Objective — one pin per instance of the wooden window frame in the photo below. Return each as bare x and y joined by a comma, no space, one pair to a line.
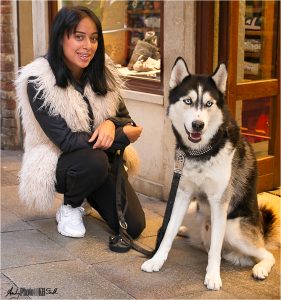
135,84
204,37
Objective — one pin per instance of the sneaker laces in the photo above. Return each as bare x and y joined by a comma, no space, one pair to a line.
70,211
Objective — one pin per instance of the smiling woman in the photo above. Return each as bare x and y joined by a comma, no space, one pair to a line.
76,41
80,47
75,121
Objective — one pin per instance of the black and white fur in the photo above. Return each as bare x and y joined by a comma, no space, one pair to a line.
220,173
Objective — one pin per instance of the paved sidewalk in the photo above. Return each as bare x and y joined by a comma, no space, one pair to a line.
34,255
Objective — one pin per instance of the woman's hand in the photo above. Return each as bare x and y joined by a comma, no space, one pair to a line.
132,132
105,134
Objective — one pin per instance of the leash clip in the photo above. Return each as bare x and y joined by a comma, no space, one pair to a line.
179,161
123,224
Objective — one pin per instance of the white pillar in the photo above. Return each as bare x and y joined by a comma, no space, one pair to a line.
40,27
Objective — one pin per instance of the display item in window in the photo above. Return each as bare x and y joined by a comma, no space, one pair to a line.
251,68
252,45
136,5
152,22
146,48
147,65
253,23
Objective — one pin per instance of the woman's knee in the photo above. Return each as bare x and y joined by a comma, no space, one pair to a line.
94,161
87,166
136,228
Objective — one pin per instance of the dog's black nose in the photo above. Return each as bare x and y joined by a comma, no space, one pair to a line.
197,125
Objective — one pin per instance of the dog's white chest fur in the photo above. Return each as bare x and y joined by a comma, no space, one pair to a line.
208,176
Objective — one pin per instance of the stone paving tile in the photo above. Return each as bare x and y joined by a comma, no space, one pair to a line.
272,196
20,248
10,222
239,282
207,295
153,223
276,192
10,200
8,287
92,248
10,166
182,254
73,280
168,283
152,204
8,178
188,254
11,160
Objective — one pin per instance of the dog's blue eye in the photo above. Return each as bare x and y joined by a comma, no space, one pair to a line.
187,101
209,103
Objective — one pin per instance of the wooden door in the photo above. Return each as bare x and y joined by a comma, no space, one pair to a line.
245,35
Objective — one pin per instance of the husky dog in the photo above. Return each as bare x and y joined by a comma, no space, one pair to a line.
220,173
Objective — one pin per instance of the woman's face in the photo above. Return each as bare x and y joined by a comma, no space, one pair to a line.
80,47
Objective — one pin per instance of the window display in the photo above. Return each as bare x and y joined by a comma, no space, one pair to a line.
259,39
255,122
132,34
256,60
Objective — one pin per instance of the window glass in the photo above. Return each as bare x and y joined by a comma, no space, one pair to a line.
254,118
131,33
257,40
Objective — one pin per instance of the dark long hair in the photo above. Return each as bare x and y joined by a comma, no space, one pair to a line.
66,21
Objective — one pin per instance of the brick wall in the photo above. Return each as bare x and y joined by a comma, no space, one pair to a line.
9,127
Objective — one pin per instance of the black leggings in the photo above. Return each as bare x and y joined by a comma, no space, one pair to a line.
85,174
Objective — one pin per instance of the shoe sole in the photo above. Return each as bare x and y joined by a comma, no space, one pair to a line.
68,234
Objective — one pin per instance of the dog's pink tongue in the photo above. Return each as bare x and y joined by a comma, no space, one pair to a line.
196,135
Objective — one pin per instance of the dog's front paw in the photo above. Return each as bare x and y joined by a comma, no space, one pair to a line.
153,265
213,281
262,269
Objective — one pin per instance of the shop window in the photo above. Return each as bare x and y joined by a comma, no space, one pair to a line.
257,47
254,118
133,39
256,61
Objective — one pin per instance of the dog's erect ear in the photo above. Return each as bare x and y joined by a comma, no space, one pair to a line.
179,72
220,77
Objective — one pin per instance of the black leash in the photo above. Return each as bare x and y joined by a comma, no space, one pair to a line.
179,163
123,242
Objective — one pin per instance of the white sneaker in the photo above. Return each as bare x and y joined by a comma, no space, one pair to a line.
70,221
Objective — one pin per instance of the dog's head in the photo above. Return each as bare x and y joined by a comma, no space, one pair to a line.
196,103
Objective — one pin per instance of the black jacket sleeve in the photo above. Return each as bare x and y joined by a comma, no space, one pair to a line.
57,130
122,117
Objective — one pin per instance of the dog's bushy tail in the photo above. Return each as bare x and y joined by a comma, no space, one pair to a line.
270,211
132,161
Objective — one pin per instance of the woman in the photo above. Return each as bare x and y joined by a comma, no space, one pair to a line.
74,120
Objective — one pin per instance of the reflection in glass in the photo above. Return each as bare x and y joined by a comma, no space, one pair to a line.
254,118
257,40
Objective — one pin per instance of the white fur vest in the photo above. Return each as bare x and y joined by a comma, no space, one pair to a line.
37,175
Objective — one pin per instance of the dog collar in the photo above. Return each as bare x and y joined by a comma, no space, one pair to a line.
193,152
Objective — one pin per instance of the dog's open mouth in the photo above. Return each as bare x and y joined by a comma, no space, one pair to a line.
194,137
